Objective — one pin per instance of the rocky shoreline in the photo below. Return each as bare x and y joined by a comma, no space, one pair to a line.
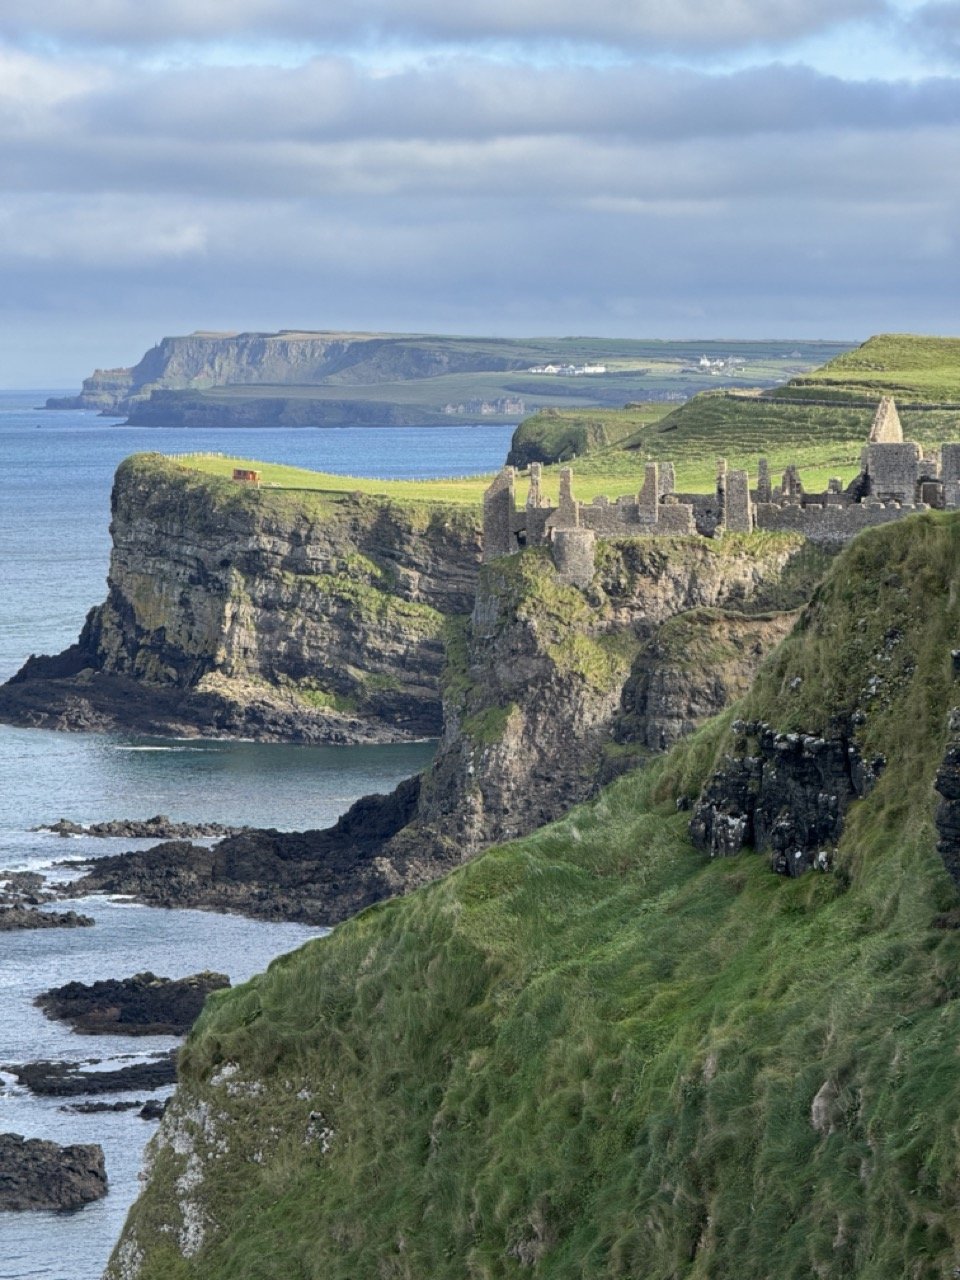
22,894
312,877
46,694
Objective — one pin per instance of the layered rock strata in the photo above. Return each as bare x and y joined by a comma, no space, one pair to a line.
783,793
270,615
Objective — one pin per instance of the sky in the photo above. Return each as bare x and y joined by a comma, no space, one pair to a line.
634,168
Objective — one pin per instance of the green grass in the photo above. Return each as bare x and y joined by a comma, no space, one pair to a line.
592,1053
906,365
555,436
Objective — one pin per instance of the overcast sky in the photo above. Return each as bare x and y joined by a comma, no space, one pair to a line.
645,168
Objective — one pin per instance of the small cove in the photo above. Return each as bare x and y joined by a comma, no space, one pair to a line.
54,545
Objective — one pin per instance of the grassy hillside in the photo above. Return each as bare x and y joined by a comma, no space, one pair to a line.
555,436
824,437
906,365
592,1053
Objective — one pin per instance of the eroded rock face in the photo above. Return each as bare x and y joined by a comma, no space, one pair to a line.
270,615
556,689
41,1175
948,810
691,669
782,793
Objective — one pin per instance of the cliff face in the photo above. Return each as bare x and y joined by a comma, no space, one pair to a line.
850,688
550,690
596,1051
201,360
259,613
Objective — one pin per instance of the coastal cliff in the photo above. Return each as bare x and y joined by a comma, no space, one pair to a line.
198,360
550,690
231,611
597,1050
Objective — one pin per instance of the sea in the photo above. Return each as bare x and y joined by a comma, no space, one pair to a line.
56,470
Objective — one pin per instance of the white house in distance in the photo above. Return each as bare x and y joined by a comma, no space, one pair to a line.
568,370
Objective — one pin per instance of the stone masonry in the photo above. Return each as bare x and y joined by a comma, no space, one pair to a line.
896,479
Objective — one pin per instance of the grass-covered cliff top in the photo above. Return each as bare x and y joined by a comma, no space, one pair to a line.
593,1053
462,490
907,365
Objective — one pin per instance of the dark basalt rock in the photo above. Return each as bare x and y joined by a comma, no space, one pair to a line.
153,1109
947,785
98,1108
20,917
41,1175
143,1005
67,1080
318,877
786,793
159,827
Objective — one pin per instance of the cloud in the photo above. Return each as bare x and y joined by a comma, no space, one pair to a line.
332,130
462,192
936,26
680,24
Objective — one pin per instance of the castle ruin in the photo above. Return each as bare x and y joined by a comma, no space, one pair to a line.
896,479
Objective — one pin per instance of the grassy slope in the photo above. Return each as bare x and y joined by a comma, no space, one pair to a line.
906,365
554,436
824,439
595,1052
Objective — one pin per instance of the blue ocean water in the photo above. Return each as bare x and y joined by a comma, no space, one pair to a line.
54,545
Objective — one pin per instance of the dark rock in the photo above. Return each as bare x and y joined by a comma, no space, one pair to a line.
96,1108
153,1109
318,877
143,1005
947,785
67,1080
21,882
159,827
786,793
41,1175
30,918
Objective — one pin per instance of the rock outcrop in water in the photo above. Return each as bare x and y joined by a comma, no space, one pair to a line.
143,1005
42,1175
69,1080
159,827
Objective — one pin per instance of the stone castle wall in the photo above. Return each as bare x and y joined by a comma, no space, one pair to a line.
896,479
